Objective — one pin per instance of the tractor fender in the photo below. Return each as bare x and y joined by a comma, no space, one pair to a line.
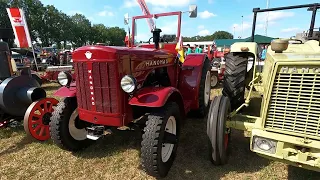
239,47
190,77
157,97
66,91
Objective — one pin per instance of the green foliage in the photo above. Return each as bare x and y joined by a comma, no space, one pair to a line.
215,35
51,26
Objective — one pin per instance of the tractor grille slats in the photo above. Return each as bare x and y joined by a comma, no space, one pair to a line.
104,84
294,106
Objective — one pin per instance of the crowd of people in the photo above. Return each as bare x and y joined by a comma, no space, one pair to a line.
197,49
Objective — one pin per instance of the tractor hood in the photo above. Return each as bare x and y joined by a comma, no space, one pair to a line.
98,53
309,51
132,59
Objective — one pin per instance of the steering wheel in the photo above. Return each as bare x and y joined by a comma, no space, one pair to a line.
150,40
161,40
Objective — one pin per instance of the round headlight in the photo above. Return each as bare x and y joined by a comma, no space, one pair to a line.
128,84
64,78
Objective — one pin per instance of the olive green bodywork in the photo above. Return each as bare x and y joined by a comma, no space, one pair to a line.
290,109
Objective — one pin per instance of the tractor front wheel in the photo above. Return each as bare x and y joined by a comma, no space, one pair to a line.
66,129
160,140
217,131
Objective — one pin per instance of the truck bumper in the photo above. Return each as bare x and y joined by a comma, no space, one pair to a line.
291,150
97,118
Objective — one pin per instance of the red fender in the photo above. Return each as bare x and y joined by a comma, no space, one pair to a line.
190,76
154,96
66,92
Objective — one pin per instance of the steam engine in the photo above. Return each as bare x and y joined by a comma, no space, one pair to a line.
16,92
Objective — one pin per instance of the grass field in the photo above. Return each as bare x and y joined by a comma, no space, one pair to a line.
117,157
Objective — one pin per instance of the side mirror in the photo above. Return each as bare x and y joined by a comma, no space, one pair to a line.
126,19
193,11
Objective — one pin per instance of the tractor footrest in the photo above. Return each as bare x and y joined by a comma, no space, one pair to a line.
95,132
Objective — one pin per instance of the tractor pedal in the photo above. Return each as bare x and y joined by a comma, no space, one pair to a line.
95,132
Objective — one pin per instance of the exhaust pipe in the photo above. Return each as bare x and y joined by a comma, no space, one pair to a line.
29,95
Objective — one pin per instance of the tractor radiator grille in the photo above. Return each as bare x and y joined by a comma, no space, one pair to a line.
294,106
105,86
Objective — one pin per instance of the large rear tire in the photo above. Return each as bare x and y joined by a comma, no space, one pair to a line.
66,129
234,79
204,89
160,140
217,131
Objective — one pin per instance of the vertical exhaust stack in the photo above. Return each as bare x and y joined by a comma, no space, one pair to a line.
156,37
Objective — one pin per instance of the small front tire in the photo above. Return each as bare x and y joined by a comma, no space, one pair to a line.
217,131
160,140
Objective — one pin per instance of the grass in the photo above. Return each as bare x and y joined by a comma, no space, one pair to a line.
117,157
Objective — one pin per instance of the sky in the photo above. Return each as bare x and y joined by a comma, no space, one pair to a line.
234,16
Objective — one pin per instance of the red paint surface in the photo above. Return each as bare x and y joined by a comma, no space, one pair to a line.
66,92
20,30
152,96
106,119
190,77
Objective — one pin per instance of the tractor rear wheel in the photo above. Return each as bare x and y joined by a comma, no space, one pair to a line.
217,131
160,140
204,89
66,129
234,79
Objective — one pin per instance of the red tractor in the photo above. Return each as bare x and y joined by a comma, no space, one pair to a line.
145,86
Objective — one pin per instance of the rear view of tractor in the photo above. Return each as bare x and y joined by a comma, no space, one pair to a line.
287,127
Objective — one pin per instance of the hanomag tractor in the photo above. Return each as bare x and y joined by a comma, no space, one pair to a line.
123,86
288,127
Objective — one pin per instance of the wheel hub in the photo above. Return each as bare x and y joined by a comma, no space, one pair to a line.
167,148
46,118
207,89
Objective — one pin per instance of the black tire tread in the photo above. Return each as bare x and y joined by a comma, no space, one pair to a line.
150,138
64,109
234,79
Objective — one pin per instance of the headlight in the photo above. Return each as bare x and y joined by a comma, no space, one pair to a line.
64,78
128,83
264,145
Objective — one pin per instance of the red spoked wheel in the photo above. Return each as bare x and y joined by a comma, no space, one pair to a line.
37,118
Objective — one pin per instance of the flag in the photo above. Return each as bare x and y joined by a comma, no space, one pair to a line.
179,48
20,27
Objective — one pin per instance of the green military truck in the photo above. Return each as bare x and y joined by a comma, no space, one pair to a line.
287,128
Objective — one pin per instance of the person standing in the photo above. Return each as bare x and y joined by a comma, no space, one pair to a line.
263,53
189,50
196,49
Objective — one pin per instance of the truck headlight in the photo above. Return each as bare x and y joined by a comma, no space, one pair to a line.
64,78
128,83
264,145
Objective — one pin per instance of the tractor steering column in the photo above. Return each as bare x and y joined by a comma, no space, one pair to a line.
156,37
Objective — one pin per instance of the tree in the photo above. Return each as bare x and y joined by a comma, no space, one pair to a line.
222,35
215,35
4,18
116,36
81,29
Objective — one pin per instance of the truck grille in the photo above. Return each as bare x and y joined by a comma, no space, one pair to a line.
104,84
294,106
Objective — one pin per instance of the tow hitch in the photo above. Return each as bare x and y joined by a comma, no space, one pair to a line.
95,132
